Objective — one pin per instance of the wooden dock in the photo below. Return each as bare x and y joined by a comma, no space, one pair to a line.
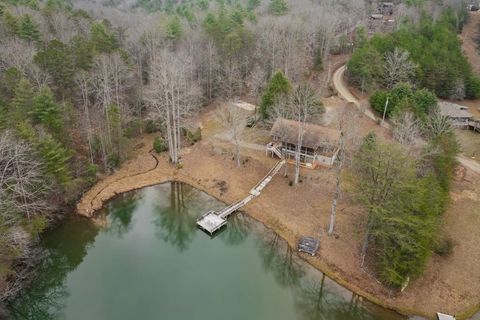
213,221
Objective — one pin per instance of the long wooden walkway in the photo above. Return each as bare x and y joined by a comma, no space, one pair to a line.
213,221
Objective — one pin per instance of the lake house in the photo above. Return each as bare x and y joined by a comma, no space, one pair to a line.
319,144
458,115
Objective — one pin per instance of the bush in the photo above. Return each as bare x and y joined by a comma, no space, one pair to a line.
378,100
92,170
195,136
113,160
151,126
159,145
133,130
401,97
444,247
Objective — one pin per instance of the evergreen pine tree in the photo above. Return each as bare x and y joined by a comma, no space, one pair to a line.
252,4
11,21
82,53
174,29
57,60
27,29
279,85
22,101
45,110
103,40
8,83
278,7
55,158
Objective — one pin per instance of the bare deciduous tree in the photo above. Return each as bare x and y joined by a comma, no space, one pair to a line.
83,82
305,105
234,120
22,184
347,145
437,124
398,67
172,94
111,82
18,54
406,129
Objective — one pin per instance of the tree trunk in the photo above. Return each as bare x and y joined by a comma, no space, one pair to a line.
298,150
366,241
237,146
340,160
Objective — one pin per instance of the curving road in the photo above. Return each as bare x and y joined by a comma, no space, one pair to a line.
345,93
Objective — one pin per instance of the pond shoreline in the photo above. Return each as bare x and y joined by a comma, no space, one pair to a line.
153,169
176,177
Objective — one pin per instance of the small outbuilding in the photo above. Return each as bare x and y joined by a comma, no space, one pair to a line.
319,145
309,245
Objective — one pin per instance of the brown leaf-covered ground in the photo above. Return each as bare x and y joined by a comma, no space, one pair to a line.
450,285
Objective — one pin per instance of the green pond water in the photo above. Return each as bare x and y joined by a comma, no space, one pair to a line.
150,261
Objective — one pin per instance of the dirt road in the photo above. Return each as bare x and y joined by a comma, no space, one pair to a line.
345,93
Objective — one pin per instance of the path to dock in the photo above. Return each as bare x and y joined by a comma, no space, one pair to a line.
213,221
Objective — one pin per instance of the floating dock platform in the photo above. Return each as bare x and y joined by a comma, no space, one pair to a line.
211,222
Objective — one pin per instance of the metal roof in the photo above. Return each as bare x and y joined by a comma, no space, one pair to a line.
314,136
453,110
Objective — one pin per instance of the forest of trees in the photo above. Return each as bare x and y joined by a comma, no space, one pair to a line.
404,186
405,195
427,54
80,79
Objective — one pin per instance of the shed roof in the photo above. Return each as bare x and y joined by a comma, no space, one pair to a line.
453,110
376,16
314,137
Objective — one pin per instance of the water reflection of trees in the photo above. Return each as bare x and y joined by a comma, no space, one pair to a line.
65,249
176,223
121,213
279,258
236,230
315,302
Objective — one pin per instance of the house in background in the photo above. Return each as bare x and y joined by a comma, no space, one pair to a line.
386,8
319,144
458,115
